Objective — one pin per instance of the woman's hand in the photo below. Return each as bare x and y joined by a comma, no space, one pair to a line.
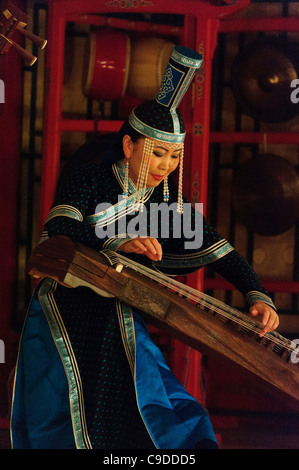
270,319
147,246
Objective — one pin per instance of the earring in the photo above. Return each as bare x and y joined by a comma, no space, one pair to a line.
165,190
180,203
148,147
126,180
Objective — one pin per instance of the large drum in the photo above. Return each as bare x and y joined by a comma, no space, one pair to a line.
149,58
108,56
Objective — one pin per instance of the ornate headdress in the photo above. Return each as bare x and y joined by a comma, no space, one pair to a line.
159,119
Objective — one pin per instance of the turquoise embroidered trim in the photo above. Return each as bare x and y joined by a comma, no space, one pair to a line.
118,210
109,215
64,210
126,323
44,236
201,258
256,296
61,339
114,243
218,245
175,121
182,91
156,134
183,59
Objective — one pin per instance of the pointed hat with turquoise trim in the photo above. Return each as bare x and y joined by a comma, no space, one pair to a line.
160,118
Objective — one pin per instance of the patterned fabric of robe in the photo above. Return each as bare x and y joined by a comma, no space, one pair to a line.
88,373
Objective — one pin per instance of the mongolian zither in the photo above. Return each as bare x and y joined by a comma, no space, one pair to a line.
199,320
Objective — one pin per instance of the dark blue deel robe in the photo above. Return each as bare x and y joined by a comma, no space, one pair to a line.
88,373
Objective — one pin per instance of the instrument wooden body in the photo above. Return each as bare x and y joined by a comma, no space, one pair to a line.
73,265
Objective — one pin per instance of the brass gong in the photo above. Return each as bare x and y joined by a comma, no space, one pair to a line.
261,79
266,194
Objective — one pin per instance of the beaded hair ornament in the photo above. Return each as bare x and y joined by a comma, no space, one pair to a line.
159,120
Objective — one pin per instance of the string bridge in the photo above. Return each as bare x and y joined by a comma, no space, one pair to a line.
119,267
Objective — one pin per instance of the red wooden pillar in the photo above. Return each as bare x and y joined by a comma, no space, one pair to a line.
53,107
205,43
11,64
202,36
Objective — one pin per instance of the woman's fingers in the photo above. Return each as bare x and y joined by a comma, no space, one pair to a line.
270,318
148,246
152,245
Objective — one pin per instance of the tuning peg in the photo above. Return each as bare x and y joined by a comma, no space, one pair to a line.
36,39
30,59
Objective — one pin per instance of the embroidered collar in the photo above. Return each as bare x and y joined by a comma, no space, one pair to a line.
119,172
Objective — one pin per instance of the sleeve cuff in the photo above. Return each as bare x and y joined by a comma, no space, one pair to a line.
114,243
256,296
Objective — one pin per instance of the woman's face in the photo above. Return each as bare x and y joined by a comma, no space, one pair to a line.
164,160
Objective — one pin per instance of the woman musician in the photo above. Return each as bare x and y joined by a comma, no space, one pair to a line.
88,374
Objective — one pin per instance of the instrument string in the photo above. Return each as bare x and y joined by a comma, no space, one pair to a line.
215,305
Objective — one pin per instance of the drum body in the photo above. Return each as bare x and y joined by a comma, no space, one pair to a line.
108,54
149,58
